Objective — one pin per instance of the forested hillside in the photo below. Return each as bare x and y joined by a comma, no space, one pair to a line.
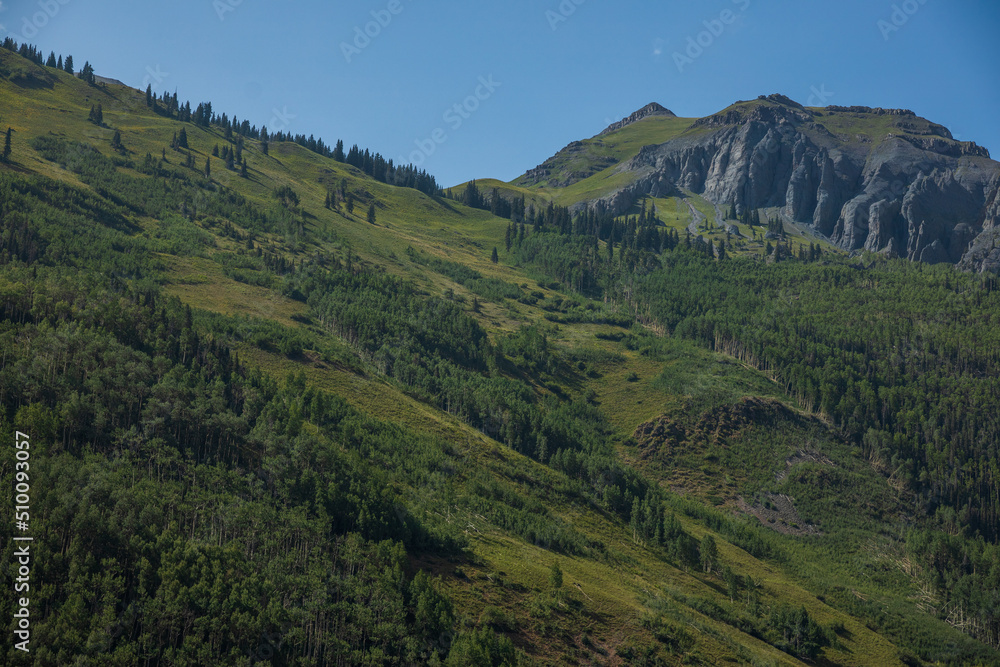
294,404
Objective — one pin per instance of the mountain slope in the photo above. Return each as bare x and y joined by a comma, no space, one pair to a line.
874,179
261,423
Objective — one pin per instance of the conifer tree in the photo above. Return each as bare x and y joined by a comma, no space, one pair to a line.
69,65
208,168
555,576
371,213
495,257
51,62
7,146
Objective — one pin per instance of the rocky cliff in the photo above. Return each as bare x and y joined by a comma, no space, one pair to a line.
652,109
884,180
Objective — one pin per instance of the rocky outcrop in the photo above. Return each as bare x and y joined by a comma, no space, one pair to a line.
914,192
652,109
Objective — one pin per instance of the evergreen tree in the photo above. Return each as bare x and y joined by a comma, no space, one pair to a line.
116,141
182,139
555,576
371,213
208,168
51,62
69,65
96,115
59,63
243,168
338,152
149,95
87,73
350,203
495,257
709,553
721,250
6,146
215,151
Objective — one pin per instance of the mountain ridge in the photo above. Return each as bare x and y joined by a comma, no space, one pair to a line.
867,178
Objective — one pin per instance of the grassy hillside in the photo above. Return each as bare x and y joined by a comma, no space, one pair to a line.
261,425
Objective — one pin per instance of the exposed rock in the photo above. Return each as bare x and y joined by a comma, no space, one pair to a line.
652,109
777,512
914,193
983,255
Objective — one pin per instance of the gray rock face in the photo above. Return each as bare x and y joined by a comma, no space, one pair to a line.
912,192
652,109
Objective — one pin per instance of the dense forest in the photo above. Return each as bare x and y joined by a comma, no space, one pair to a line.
903,358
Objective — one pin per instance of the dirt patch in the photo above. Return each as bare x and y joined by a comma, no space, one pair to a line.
664,436
803,456
777,512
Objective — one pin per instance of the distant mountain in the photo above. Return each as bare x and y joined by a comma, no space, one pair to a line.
652,109
884,180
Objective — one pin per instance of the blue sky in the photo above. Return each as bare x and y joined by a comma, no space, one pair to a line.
528,76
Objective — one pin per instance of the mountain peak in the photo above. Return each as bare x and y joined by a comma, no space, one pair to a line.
651,109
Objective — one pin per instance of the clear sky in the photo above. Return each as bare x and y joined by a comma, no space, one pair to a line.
546,72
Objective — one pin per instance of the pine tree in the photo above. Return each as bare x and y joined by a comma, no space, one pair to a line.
182,139
495,257
555,576
371,213
208,168
709,553
350,203
243,168
59,63
6,146
149,95
215,151
721,250
51,62
69,65
116,141
326,202
87,73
